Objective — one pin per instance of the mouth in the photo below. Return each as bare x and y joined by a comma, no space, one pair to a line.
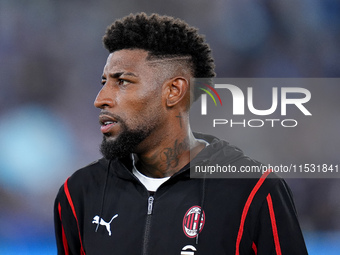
106,123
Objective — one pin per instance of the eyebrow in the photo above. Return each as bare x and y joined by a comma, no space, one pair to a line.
119,74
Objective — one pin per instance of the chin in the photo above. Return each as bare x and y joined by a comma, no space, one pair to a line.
109,137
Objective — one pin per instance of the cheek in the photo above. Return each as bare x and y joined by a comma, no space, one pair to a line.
142,105
151,99
147,111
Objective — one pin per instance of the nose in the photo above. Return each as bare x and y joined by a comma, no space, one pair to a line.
103,98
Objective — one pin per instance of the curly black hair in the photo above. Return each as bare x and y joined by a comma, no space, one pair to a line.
162,37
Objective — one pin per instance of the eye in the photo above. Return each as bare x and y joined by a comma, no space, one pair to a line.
103,81
122,82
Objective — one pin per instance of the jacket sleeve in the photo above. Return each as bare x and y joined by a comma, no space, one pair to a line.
66,226
278,227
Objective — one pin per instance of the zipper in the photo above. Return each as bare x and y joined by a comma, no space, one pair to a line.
150,204
151,200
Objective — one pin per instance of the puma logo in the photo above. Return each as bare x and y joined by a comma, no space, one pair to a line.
104,223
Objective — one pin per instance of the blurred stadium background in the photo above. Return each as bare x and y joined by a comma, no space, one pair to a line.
51,60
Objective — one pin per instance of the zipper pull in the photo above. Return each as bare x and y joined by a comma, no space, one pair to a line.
150,204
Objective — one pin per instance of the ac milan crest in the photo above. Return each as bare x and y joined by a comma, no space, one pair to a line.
191,219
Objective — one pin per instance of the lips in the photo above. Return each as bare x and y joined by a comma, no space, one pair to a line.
107,123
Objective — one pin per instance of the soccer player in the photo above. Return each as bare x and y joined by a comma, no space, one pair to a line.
139,198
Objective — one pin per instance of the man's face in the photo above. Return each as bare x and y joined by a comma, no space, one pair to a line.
130,103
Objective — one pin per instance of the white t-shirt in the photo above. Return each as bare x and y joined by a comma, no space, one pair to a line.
151,184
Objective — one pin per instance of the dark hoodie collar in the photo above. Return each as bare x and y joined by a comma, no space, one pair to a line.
218,151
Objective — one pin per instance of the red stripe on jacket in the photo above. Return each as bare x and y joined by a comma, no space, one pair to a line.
63,232
254,248
273,221
67,192
246,208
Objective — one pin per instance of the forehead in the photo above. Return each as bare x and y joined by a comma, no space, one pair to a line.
132,60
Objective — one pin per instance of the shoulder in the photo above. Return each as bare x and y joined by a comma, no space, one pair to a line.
254,190
91,172
269,187
85,178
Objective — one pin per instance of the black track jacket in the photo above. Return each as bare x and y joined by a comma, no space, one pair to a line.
104,209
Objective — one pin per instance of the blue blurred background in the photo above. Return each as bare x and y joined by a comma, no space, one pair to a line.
51,60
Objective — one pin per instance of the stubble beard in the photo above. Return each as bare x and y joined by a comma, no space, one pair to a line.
125,143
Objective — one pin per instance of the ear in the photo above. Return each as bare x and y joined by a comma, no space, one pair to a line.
177,89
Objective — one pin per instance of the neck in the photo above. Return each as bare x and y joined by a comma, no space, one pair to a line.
170,155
